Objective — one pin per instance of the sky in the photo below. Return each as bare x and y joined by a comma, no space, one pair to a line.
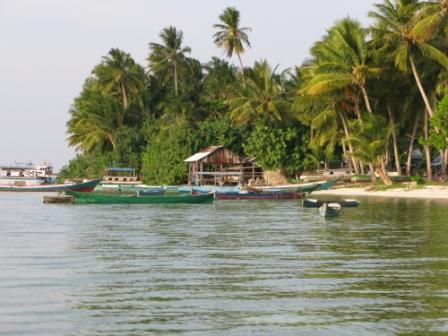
49,47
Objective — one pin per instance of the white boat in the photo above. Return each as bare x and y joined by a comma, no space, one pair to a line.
26,174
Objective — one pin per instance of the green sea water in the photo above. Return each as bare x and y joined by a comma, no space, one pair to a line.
230,268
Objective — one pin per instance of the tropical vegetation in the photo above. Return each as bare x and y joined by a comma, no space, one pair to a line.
370,97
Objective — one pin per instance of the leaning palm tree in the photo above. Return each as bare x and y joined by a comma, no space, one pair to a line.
396,29
231,37
166,59
119,75
262,96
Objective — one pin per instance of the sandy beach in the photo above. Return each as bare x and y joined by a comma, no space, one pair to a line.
429,192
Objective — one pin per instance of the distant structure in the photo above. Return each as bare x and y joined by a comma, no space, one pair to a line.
217,165
115,175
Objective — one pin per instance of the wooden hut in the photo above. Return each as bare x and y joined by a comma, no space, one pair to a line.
217,165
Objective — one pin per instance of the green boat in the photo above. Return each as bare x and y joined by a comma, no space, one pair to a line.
101,198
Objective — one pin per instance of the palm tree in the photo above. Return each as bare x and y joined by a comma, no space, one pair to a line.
397,30
119,75
342,59
230,36
370,143
263,96
95,122
166,59
431,18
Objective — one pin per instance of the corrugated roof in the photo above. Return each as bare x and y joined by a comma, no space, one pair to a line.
202,154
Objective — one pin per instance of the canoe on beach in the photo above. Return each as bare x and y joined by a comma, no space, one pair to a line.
101,198
82,187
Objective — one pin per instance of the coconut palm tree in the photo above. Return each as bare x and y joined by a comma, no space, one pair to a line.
119,75
432,16
230,36
396,29
166,59
95,122
370,143
342,59
263,96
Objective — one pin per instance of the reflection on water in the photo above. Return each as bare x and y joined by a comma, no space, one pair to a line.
231,268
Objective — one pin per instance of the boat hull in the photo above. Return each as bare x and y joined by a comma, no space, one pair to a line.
82,187
92,198
330,210
314,203
259,196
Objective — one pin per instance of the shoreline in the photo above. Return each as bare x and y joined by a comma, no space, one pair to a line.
429,192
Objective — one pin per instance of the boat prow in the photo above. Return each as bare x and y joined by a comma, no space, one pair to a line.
86,186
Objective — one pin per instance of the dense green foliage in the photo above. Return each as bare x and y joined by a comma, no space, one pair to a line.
279,148
361,97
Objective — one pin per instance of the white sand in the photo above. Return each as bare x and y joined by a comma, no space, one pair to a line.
430,192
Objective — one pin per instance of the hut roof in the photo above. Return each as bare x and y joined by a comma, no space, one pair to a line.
203,153
216,155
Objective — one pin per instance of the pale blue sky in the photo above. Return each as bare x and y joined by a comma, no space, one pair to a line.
48,48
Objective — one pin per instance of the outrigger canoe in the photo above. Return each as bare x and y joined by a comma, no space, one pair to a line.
96,198
83,187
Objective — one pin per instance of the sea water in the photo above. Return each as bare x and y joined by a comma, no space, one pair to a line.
229,268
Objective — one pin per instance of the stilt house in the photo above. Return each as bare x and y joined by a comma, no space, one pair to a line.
217,165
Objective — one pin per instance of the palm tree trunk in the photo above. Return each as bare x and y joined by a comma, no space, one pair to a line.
366,98
242,67
394,140
443,164
349,162
420,87
123,94
411,145
175,79
383,173
347,134
358,115
426,147
372,173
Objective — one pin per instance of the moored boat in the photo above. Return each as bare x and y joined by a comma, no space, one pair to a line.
314,203
330,209
208,189
303,187
97,198
83,187
258,195
327,184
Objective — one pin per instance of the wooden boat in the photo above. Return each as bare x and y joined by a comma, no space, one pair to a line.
330,209
314,203
303,187
100,198
328,184
208,189
258,195
83,187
